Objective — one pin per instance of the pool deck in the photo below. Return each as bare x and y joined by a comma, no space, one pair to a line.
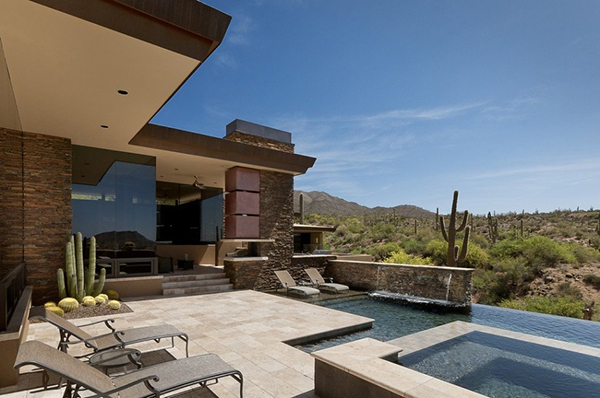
247,329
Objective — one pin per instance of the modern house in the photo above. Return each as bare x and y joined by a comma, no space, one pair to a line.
79,82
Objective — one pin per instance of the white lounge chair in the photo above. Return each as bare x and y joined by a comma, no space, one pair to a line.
290,285
318,281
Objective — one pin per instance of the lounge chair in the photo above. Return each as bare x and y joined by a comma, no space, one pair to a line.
318,281
112,339
290,285
152,381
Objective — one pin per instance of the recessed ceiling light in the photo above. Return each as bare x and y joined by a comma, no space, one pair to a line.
104,126
161,176
86,163
176,169
122,92
82,175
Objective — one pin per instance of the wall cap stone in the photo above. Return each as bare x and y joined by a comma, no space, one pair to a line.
458,269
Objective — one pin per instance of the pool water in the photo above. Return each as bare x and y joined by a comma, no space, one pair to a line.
395,319
499,366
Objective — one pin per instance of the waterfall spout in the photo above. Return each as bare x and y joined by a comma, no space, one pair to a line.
448,286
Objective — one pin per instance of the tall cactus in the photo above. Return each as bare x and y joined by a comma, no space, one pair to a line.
70,269
91,271
453,257
80,271
492,227
62,290
79,282
301,205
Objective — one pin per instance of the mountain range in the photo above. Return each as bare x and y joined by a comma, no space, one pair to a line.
316,202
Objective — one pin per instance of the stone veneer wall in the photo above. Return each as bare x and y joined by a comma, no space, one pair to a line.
277,223
48,213
415,280
260,142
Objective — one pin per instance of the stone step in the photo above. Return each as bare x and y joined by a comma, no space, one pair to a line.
195,283
198,290
192,277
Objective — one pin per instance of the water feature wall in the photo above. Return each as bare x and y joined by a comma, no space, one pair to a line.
445,284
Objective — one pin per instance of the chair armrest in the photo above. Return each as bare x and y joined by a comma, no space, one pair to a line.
87,341
144,380
107,322
328,279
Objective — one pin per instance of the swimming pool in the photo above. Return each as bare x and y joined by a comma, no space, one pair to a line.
499,366
395,319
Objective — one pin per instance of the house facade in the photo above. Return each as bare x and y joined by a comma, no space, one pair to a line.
79,83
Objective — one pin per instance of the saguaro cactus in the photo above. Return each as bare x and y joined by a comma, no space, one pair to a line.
453,257
301,205
492,227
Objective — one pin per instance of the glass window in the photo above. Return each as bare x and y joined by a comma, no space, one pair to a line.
114,199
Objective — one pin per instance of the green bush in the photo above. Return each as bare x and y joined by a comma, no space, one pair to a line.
593,280
538,251
563,306
401,257
476,257
584,255
437,251
381,252
542,251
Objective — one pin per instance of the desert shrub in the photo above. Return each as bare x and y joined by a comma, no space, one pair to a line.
476,257
508,248
383,231
437,250
355,225
544,252
593,280
563,306
381,252
538,251
341,231
584,255
401,257
413,246
566,290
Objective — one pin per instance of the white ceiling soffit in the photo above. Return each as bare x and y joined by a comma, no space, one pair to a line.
66,74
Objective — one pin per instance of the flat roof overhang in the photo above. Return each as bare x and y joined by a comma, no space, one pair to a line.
303,228
66,60
182,154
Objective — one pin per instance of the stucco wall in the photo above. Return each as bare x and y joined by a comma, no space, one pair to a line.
48,215
415,280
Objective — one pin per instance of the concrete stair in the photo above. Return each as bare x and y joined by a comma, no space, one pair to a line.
192,284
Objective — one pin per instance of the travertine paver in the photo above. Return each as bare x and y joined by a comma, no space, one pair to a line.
245,328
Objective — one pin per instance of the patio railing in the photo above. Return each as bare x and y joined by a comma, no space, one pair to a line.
11,288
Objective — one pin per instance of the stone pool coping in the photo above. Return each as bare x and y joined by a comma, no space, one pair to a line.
363,367
439,334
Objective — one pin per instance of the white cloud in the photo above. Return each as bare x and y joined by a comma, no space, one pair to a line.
358,147
239,31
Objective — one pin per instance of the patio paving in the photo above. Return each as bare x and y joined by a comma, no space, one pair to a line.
247,329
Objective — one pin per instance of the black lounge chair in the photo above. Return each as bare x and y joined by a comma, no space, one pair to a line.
112,339
152,381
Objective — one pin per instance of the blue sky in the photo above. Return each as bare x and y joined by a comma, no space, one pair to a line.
405,101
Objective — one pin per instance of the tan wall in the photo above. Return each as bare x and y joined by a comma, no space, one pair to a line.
135,287
10,340
200,254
